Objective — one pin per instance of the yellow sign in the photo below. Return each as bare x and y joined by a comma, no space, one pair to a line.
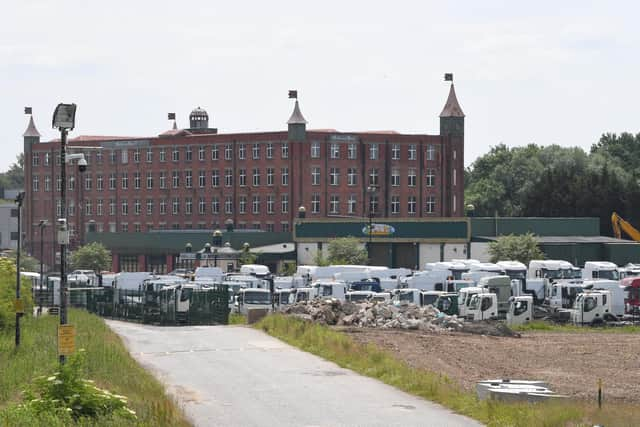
66,340
19,305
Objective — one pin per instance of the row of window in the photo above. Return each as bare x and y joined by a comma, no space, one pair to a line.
138,228
255,150
215,179
352,203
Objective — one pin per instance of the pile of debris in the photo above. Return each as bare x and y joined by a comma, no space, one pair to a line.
374,315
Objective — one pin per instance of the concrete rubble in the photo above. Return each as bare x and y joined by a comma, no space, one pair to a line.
382,315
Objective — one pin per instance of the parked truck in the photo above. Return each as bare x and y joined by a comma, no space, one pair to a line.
632,298
464,298
591,308
520,310
482,307
501,286
600,270
251,298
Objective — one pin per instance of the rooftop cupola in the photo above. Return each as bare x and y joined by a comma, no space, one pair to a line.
297,124
452,117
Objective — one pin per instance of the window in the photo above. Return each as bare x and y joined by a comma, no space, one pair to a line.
188,154
59,184
334,204
351,204
315,150
256,177
411,177
454,154
136,155
228,151
334,176
242,206
315,203
163,180
125,156
113,156
285,150
455,177
256,205
242,151
395,204
334,150
125,181
270,227
136,180
431,204
454,203
58,209
47,183
285,176
201,153
88,182
149,180
99,207
149,206
188,206
270,203
36,183
99,183
136,207
352,151
35,159
352,176
228,177
215,205
72,183
285,227
201,179
98,158
215,178
431,152
255,151
413,152
163,207
125,229
431,177
242,177
163,155
175,206
175,179
175,154
215,152
284,203
125,207
202,207
149,155
270,172
137,228
188,179
315,176
411,205
395,177
47,157
112,207
373,204
373,151
228,205
269,151
395,152
373,177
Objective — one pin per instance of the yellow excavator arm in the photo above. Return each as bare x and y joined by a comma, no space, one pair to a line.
620,225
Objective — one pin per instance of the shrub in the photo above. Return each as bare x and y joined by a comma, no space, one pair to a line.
8,293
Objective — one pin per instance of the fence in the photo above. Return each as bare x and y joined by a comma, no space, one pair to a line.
169,306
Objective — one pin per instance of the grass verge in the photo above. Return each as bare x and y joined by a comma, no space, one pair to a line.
108,364
237,319
373,362
542,326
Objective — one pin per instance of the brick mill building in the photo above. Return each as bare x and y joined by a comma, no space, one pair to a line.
200,179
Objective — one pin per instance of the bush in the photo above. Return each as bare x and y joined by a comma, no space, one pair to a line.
8,294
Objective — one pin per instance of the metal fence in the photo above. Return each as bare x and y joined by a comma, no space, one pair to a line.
172,306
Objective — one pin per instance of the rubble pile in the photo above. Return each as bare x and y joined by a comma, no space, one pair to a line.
374,315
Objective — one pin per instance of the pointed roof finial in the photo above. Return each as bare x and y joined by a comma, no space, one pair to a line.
31,129
296,117
452,107
175,125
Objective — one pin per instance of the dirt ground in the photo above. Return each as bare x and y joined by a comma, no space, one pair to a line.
572,363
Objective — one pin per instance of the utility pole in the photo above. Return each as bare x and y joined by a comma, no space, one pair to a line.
19,309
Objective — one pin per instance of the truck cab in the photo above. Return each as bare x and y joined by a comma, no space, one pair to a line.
617,290
281,297
591,307
365,285
546,269
482,307
501,286
632,298
464,298
563,295
250,298
429,297
447,303
329,289
520,310
407,296
359,296
600,270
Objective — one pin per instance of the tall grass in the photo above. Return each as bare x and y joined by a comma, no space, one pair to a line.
541,325
108,364
376,363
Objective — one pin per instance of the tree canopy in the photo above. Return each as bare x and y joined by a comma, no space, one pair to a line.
93,256
347,250
512,247
14,177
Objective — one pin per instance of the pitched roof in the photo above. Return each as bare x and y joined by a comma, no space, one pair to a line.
452,107
31,129
296,117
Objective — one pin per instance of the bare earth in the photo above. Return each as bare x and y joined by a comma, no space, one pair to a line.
572,363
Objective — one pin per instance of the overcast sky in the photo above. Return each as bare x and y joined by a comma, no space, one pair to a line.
545,72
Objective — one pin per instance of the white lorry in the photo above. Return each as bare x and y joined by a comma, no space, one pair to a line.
257,270
359,296
464,298
600,270
501,286
591,308
617,291
251,298
526,285
329,289
214,273
562,294
482,307
482,269
520,310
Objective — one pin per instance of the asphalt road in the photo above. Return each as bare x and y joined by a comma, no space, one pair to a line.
238,376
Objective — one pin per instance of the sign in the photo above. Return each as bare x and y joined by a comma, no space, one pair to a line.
66,340
378,230
19,306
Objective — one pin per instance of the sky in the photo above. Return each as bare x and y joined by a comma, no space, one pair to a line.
543,72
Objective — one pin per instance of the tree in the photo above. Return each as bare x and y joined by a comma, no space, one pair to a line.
347,250
246,256
93,256
14,177
523,248
27,263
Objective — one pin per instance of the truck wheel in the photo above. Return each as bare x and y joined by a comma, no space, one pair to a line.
597,322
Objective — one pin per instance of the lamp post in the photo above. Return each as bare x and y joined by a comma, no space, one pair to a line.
42,224
19,199
64,118
215,257
371,190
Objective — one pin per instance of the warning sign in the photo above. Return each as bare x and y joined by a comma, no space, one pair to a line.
66,340
19,305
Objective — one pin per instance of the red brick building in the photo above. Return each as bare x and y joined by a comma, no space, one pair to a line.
197,178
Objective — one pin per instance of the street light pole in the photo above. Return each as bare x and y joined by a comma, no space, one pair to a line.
42,224
19,200
371,190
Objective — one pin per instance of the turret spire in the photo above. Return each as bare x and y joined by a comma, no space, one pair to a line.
452,107
31,129
296,117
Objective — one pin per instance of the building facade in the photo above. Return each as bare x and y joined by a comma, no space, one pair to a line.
197,178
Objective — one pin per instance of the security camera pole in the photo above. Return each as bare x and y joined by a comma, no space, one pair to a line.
19,310
64,120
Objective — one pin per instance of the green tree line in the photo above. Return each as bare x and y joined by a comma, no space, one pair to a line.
554,181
